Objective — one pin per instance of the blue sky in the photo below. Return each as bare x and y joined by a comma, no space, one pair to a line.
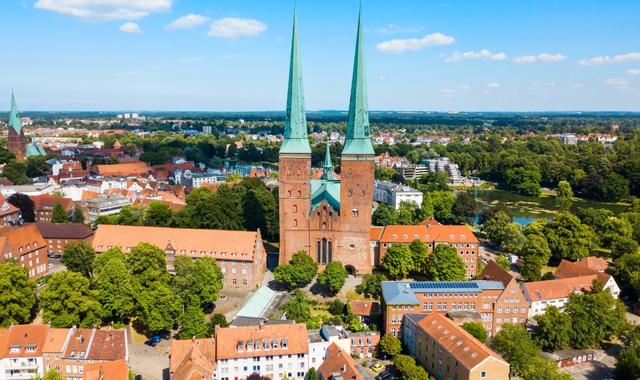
232,55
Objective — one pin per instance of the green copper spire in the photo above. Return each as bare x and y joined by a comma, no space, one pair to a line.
327,166
358,139
295,127
14,116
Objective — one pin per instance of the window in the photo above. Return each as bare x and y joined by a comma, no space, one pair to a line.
483,374
295,208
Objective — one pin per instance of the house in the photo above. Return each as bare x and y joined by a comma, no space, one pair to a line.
459,237
569,357
44,204
240,254
541,294
364,344
10,215
21,352
321,339
447,351
393,194
123,169
192,359
58,235
25,245
338,365
583,267
114,370
272,350
364,309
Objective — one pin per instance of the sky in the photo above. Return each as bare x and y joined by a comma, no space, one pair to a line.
232,55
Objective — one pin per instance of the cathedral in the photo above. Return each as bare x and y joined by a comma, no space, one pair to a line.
16,141
327,217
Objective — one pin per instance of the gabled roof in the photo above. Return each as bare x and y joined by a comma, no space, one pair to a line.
325,190
110,370
466,349
56,340
33,149
584,267
232,341
23,337
192,356
48,200
21,236
376,233
123,169
108,345
562,287
433,233
495,272
338,364
364,307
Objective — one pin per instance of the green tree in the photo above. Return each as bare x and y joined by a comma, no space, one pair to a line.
260,212
192,324
333,277
435,181
197,282
634,219
515,345
418,255
52,374
443,202
408,213
297,308
398,261
535,254
78,215
553,330
24,203
628,268
476,329
615,229
158,307
102,260
538,368
568,238
595,316
298,273
17,295
390,345
503,262
464,209
408,368
59,215
311,374
233,177
621,246
16,172
336,307
79,257
217,320
158,214
147,264
68,301
512,238
371,285
427,206
564,190
523,180
384,174
384,215
628,363
115,291
444,264
494,228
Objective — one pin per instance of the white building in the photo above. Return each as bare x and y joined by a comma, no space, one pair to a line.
320,340
23,358
393,194
541,294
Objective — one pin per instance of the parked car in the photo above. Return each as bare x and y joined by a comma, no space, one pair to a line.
153,341
377,367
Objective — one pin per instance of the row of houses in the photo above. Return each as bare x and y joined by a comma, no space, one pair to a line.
29,351
275,349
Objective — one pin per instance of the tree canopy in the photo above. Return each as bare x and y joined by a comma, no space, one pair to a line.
444,264
67,301
17,295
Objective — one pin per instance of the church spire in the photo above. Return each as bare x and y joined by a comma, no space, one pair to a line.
295,127
358,139
14,116
327,166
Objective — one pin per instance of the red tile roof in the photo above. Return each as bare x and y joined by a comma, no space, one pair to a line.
22,236
562,287
466,349
124,169
232,341
28,340
364,307
338,362
49,201
584,267
192,357
108,345
434,233
495,272
112,370
64,230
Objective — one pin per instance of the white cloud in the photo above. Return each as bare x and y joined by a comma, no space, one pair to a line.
618,83
604,59
542,57
482,54
130,27
104,10
542,86
189,21
230,27
397,46
492,85
395,29
633,72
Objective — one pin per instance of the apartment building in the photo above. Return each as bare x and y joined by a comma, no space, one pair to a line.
393,194
364,344
447,351
10,215
459,237
240,254
21,351
58,235
338,365
25,245
44,204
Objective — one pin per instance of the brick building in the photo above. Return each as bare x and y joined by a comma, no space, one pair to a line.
25,245
239,254
494,301
338,365
329,218
431,234
58,235
16,140
364,344
447,351
43,206
10,215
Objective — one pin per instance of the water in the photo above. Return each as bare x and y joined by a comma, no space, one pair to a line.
525,209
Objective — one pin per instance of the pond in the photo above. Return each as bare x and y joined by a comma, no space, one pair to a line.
525,209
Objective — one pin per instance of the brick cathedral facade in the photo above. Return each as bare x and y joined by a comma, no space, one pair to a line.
327,217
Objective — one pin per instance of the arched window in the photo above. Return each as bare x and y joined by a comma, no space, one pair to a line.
295,222
289,193
330,249
318,251
324,250
299,193
295,208
324,225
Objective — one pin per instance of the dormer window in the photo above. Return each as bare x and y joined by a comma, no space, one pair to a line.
240,347
405,237
274,344
395,236
15,348
284,343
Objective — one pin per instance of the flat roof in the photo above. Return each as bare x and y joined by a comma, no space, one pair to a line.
258,303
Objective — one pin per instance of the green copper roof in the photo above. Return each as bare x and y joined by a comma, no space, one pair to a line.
14,116
327,166
328,190
295,128
358,139
33,149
